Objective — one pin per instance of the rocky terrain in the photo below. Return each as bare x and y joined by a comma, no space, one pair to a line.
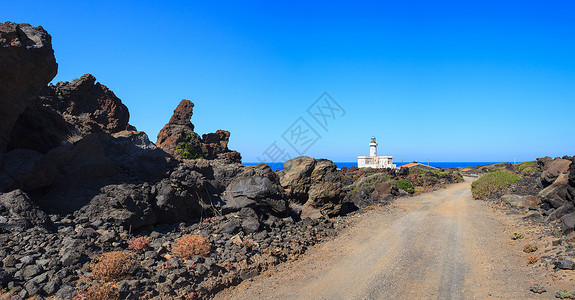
91,209
544,197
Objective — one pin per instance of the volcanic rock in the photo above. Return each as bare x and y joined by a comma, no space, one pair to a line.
556,193
553,169
28,64
519,201
18,212
315,183
179,139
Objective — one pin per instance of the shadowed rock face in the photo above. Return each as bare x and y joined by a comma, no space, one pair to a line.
66,112
181,130
28,64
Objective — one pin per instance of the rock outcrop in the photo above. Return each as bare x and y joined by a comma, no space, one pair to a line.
28,64
314,184
18,212
179,139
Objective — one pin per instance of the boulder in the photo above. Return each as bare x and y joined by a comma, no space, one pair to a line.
18,212
296,178
553,169
256,191
556,193
124,205
315,183
28,64
520,201
568,223
177,200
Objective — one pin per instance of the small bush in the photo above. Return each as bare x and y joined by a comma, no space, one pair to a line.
405,185
537,288
139,243
492,183
8,295
517,236
99,291
528,248
189,245
528,168
564,294
112,265
532,259
186,149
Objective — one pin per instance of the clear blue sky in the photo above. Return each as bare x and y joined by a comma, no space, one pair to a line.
445,81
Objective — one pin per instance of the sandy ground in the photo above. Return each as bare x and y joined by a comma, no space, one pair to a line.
440,245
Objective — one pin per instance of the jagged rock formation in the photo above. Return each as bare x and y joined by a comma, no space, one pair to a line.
28,64
179,139
68,111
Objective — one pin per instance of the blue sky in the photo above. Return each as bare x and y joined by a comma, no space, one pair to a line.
444,81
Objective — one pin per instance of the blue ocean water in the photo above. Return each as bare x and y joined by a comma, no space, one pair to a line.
440,164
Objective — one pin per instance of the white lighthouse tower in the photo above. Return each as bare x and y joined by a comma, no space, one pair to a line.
374,161
373,147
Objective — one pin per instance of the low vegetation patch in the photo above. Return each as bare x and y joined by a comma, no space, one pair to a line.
537,288
186,150
99,291
492,183
532,259
139,244
112,265
564,294
527,168
405,185
530,248
190,245
517,236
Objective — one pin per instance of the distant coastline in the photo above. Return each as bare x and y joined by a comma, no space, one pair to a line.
276,166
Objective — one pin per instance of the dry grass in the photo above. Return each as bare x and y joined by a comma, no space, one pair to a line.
139,244
189,245
7,295
112,265
532,259
99,291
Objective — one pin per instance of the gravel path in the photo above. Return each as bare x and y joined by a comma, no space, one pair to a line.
440,245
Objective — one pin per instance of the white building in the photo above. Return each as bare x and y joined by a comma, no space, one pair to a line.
374,161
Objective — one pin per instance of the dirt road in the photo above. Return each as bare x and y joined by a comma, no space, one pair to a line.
440,245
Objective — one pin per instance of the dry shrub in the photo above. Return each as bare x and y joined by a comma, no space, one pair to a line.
7,295
112,265
189,245
99,291
139,243
532,259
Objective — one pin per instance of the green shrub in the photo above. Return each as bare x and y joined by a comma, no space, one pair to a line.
186,150
492,183
405,185
564,294
528,168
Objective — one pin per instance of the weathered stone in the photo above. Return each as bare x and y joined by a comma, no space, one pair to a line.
553,169
20,213
556,193
520,201
28,64
564,264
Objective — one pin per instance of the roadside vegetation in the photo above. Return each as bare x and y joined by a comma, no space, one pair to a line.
492,183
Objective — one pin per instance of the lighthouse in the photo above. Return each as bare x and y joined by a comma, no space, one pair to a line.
373,147
374,161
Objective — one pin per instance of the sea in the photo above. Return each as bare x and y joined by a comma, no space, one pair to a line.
276,166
